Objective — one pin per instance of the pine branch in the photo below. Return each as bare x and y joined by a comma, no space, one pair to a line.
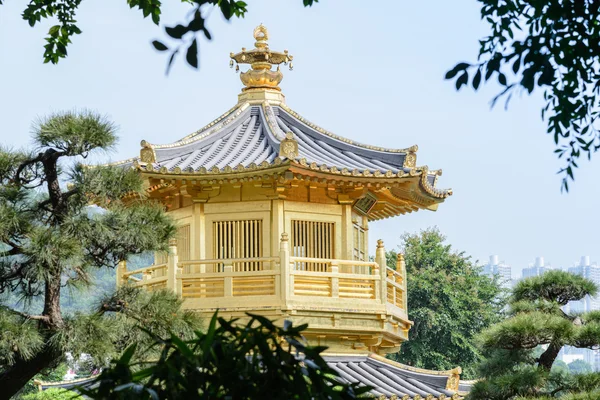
24,165
28,316
65,196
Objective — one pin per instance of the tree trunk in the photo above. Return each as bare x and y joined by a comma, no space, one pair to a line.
52,301
547,358
22,371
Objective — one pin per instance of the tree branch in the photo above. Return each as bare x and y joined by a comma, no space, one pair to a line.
42,205
25,164
28,316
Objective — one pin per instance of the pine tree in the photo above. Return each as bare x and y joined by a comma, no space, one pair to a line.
51,239
522,349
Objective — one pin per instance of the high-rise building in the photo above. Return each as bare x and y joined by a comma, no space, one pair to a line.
500,269
591,272
537,268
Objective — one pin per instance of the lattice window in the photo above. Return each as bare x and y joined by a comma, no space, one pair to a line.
313,240
359,249
183,243
239,239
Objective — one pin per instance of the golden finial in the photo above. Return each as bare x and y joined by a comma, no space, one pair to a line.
261,59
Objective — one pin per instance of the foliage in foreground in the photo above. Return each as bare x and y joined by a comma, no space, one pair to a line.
449,301
60,35
553,45
52,394
51,240
521,350
231,360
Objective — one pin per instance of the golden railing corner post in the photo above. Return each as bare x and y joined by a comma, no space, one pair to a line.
172,266
381,261
286,278
401,268
228,280
121,270
335,280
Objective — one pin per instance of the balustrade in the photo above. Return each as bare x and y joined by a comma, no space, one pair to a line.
284,276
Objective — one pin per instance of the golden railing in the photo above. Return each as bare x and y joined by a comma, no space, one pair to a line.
217,282
232,277
338,279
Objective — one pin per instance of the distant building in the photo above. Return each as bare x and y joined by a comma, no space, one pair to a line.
591,272
498,268
536,269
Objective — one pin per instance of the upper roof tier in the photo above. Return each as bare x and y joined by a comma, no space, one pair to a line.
262,132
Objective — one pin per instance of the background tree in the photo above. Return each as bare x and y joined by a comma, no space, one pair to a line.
64,11
579,367
252,360
448,300
52,394
553,45
522,349
50,240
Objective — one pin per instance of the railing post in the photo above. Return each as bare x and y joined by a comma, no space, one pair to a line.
401,268
228,281
335,280
172,266
286,279
381,285
121,269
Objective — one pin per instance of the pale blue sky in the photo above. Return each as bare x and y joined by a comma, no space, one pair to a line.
372,72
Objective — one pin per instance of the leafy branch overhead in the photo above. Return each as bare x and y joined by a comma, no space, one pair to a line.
64,11
553,45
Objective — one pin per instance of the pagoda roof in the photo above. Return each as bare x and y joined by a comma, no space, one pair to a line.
249,137
388,379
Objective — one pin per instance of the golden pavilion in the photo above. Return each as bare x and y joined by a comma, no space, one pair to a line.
273,215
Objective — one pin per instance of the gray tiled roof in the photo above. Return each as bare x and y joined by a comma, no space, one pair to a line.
388,379
391,379
252,134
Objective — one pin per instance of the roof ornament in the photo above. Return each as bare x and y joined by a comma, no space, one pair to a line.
261,59
147,154
288,147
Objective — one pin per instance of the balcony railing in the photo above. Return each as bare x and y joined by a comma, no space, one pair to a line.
247,281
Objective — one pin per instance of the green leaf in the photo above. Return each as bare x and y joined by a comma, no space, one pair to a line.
502,79
192,54
176,32
128,354
54,30
454,71
462,80
159,46
226,9
477,79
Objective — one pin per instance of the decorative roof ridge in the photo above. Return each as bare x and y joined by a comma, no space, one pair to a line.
450,372
270,117
429,189
151,168
202,132
411,149
114,163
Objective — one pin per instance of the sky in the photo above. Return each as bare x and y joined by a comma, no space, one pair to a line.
371,72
